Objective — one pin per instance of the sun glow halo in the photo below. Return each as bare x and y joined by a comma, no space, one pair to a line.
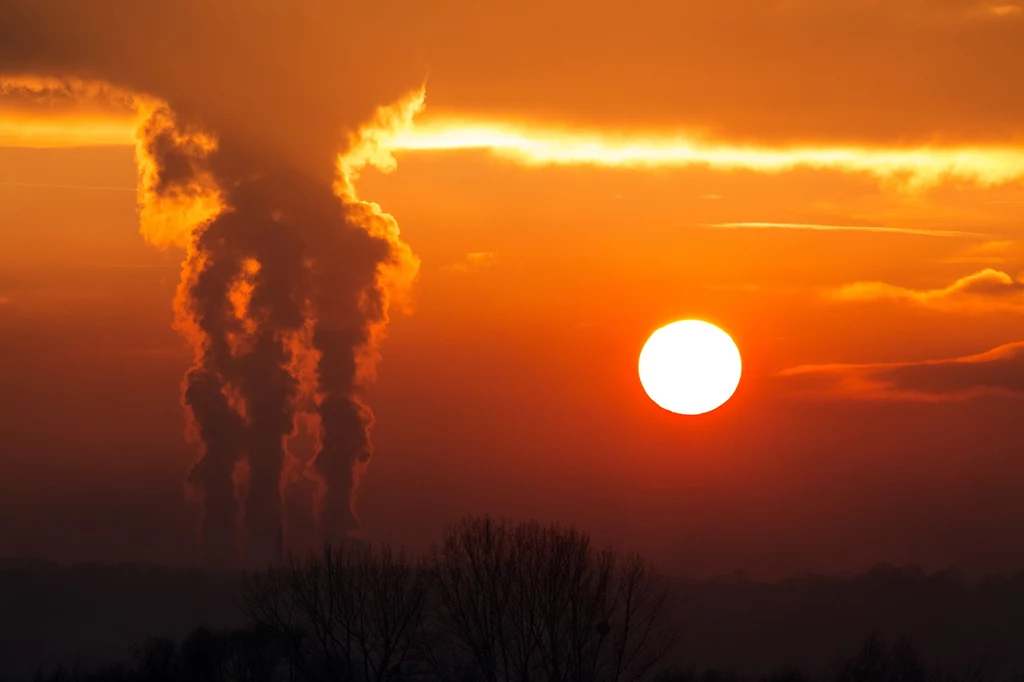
690,367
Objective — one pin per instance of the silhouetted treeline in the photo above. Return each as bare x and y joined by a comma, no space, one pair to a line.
958,625
875,661
494,601
497,602
250,655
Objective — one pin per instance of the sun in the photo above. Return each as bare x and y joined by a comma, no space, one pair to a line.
690,367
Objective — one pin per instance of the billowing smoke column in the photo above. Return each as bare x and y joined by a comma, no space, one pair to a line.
245,107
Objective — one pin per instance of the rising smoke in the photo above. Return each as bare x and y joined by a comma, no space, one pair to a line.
245,108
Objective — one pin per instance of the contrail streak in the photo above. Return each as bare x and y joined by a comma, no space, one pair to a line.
841,228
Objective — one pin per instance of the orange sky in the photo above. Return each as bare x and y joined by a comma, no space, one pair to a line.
510,385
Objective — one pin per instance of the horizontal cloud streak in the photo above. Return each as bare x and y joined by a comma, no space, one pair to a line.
43,185
918,166
999,371
817,227
22,128
985,291
914,167
931,72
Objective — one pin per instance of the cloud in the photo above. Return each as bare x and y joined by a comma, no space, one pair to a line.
248,72
932,73
38,185
69,130
931,70
985,253
1004,10
4,300
817,227
132,266
533,145
995,246
473,262
744,287
998,372
985,291
913,166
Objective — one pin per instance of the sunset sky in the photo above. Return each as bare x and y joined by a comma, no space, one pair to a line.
838,185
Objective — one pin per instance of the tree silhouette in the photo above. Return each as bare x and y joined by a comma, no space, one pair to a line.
352,613
515,603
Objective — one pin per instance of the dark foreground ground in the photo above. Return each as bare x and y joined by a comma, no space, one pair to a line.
93,615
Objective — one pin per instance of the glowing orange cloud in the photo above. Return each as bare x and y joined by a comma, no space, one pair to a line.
985,253
985,291
22,130
94,113
66,113
915,168
999,371
1005,10
910,168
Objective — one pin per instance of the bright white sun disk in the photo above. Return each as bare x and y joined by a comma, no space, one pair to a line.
690,367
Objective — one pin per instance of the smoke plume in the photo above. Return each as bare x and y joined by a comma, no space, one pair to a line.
244,110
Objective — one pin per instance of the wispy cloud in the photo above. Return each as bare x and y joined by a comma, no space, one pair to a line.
984,253
973,260
999,371
995,246
819,227
133,266
473,262
1004,10
745,287
40,185
985,291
